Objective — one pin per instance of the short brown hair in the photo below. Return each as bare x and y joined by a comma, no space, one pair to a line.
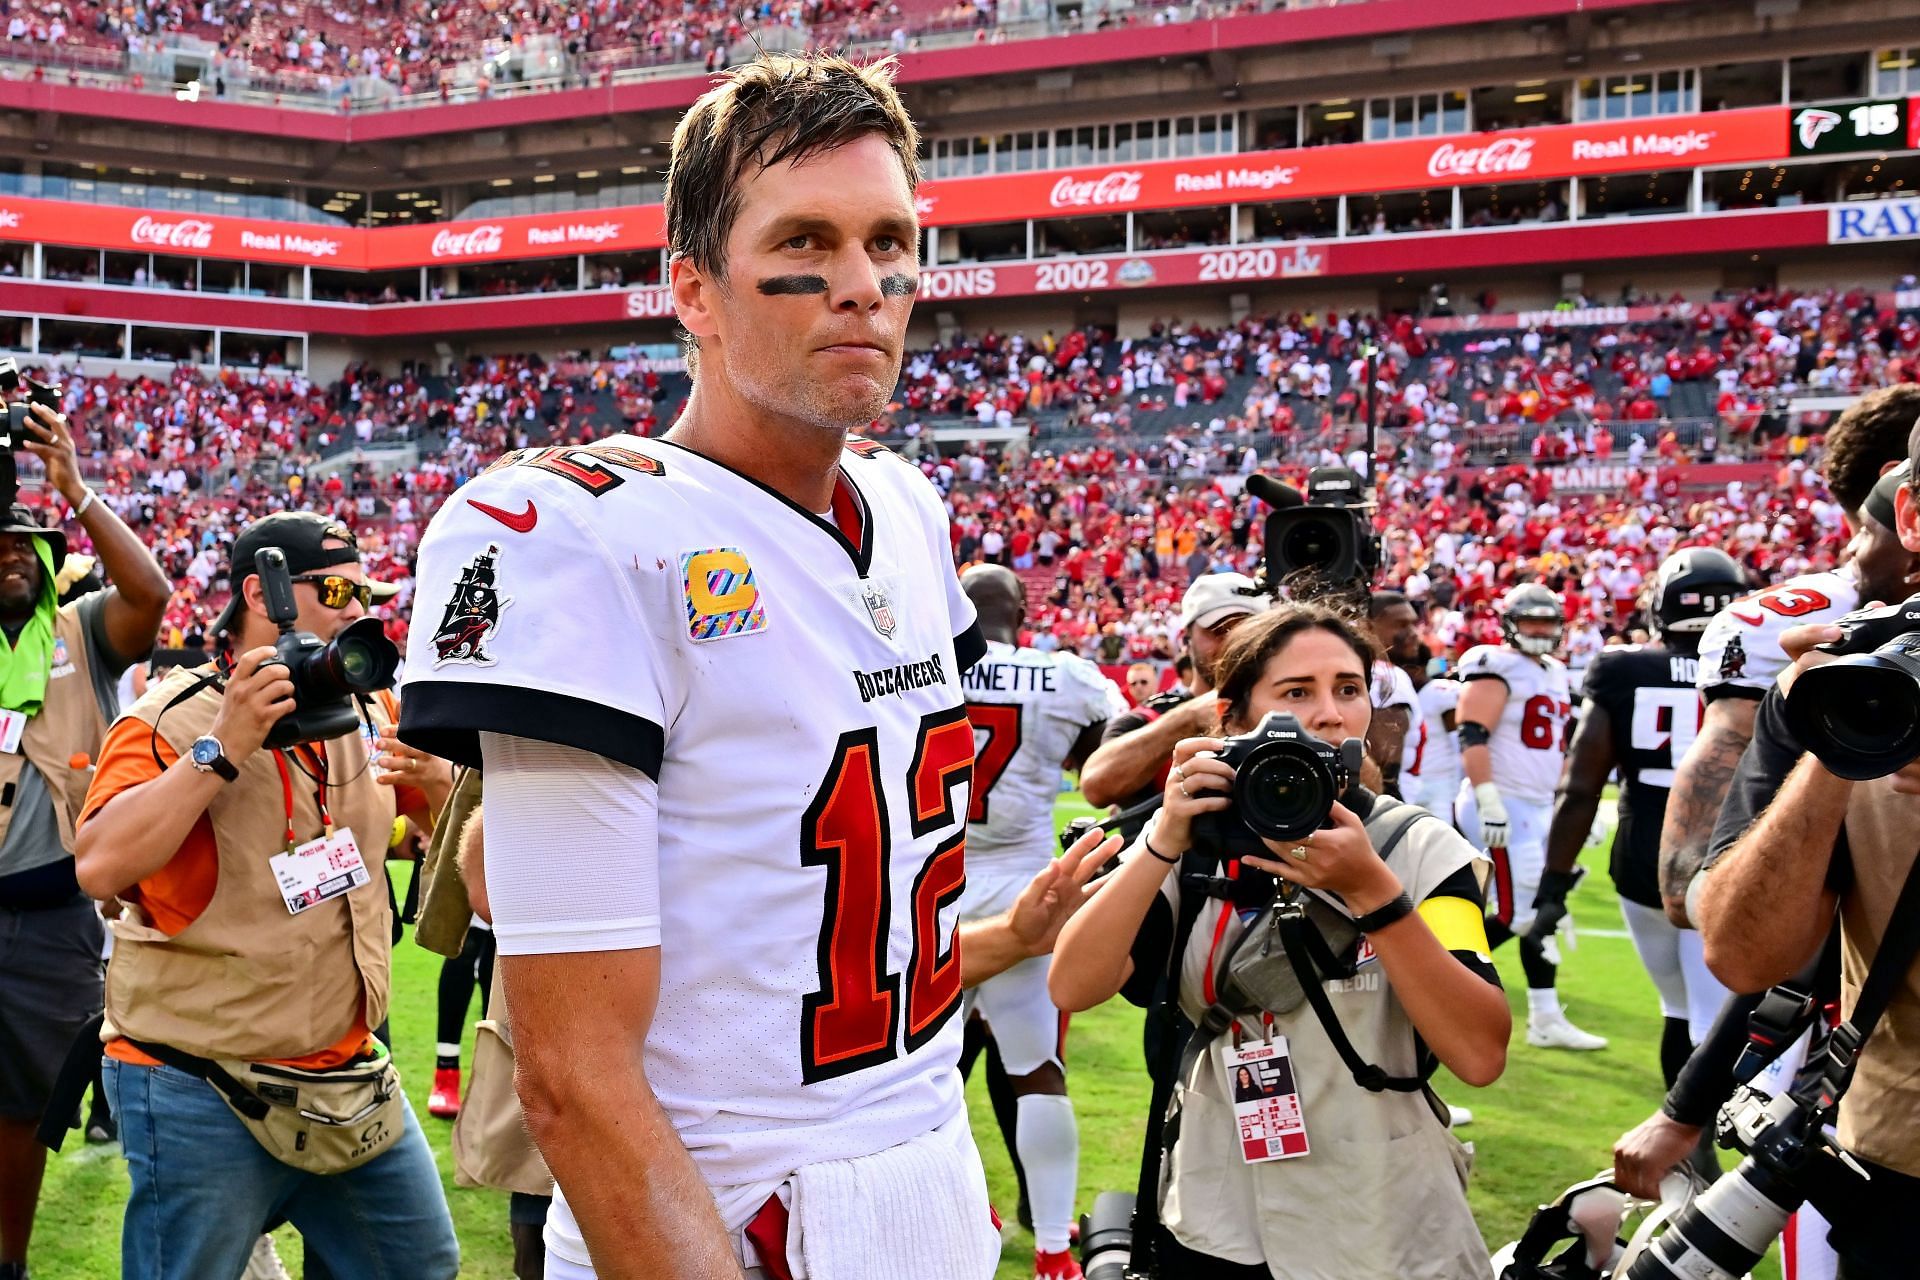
780,107
1252,644
1870,434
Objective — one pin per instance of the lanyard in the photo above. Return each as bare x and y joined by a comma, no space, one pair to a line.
319,794
1228,911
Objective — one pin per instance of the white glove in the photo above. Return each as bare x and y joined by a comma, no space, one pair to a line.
1493,815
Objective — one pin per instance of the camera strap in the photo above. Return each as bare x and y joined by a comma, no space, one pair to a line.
1899,948
201,680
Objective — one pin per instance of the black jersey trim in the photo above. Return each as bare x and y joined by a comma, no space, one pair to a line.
861,553
1715,692
968,648
446,718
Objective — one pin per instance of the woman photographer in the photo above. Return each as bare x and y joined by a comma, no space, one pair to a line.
1380,1189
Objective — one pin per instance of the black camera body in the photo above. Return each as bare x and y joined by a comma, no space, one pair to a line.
327,675
1285,784
1328,543
15,431
1860,714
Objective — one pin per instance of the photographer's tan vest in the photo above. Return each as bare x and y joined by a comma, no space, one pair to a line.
68,724
1880,1117
247,979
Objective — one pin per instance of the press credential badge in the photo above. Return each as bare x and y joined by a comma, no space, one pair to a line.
1266,1105
320,869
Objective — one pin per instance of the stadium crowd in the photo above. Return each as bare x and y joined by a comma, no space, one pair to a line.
1130,482
423,48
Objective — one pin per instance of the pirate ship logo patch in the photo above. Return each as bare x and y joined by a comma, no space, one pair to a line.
473,614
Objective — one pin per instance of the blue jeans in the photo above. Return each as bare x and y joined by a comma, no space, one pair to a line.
204,1190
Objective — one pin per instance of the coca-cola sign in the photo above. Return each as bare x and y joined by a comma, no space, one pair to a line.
1122,186
474,242
187,233
1503,155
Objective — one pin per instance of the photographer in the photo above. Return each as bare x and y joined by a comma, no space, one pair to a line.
1377,1186
1768,897
1131,763
253,953
58,672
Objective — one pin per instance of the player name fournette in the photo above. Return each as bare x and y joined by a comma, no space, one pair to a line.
1007,677
900,679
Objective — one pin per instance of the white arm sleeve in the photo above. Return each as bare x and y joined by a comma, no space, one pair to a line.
571,853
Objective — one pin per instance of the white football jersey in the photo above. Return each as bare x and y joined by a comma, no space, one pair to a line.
794,690
1028,709
1438,754
1529,743
1740,649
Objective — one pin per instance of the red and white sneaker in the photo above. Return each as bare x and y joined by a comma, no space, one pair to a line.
444,1102
1056,1266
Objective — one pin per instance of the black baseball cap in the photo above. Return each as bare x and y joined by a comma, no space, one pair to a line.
300,536
22,519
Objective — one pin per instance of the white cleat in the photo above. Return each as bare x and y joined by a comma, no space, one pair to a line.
1553,1031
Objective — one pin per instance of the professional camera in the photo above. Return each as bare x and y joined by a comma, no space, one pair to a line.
1106,1237
1285,783
1328,542
1860,714
327,675
1728,1228
15,431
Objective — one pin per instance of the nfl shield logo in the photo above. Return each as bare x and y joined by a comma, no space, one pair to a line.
880,609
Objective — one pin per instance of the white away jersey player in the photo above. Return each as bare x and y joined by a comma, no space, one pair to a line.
1529,743
1740,653
1028,708
1436,761
794,692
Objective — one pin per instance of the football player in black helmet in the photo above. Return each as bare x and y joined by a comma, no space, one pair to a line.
1640,713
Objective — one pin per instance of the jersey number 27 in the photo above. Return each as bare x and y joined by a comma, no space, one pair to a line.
852,1021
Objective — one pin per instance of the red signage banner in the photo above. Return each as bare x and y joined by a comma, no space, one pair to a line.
113,227
1556,152
1515,155
540,235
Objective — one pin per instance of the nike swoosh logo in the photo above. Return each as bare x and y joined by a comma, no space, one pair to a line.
522,523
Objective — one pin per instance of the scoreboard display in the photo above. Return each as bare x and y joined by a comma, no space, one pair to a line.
1839,128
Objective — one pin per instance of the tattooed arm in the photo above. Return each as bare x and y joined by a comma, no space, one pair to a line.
1699,787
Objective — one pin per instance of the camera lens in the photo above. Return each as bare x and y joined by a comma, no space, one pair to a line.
1861,715
1283,791
1310,542
359,660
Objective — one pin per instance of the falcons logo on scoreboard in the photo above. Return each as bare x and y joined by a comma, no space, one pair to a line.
1813,122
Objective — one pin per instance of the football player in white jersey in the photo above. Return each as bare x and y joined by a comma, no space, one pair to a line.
1033,713
714,681
1740,654
1396,707
1438,763
1513,716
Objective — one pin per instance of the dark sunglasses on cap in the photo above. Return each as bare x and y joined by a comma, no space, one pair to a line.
335,590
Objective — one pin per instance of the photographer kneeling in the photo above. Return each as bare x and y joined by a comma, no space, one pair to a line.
1342,1179
239,816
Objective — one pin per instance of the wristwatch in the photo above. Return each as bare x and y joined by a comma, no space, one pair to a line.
1399,909
209,756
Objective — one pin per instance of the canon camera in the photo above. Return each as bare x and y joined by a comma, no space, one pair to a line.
1285,784
1860,714
327,675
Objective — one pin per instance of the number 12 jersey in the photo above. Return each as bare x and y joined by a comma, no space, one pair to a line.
792,685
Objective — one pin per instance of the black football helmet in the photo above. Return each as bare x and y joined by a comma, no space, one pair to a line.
1692,585
1532,601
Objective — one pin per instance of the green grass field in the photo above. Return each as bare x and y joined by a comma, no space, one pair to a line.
1549,1121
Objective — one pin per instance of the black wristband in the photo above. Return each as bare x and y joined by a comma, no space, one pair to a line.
1148,846
1394,912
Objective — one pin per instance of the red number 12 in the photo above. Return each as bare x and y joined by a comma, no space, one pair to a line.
852,1020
